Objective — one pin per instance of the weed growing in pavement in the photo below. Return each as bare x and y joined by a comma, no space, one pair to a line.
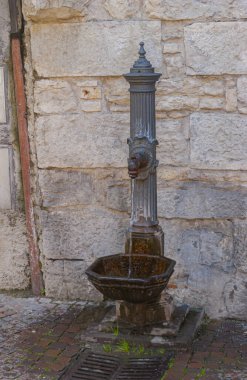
161,351
170,366
201,373
140,350
115,330
185,371
171,363
49,333
107,347
123,346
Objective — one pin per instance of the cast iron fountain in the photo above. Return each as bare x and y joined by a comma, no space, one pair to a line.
136,278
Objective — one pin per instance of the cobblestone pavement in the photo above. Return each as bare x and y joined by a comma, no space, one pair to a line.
39,336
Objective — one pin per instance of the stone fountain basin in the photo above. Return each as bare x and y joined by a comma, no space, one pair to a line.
149,276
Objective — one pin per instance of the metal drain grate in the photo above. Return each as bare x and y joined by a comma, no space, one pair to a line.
97,366
142,369
93,366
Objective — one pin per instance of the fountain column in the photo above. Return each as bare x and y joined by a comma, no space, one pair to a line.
137,278
144,234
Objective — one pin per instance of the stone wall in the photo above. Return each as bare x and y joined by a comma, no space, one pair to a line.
14,266
76,52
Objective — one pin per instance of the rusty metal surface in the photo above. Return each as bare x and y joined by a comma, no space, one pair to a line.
36,278
132,278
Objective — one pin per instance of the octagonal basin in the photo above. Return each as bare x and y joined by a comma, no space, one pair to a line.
131,278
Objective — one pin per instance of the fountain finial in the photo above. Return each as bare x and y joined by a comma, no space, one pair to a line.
142,51
142,64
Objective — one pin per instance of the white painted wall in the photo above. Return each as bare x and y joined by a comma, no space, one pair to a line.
5,191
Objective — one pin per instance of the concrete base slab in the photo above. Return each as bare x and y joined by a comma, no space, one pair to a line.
176,334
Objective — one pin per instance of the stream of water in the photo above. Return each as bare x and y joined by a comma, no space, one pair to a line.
130,239
130,258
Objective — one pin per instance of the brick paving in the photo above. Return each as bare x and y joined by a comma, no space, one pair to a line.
39,336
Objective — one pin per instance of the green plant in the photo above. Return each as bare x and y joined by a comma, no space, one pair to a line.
169,365
185,371
107,347
139,350
201,373
115,330
161,351
123,346
164,376
49,333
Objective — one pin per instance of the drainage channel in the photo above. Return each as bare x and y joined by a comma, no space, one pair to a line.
97,366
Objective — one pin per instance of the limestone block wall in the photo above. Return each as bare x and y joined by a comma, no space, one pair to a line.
14,266
76,52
